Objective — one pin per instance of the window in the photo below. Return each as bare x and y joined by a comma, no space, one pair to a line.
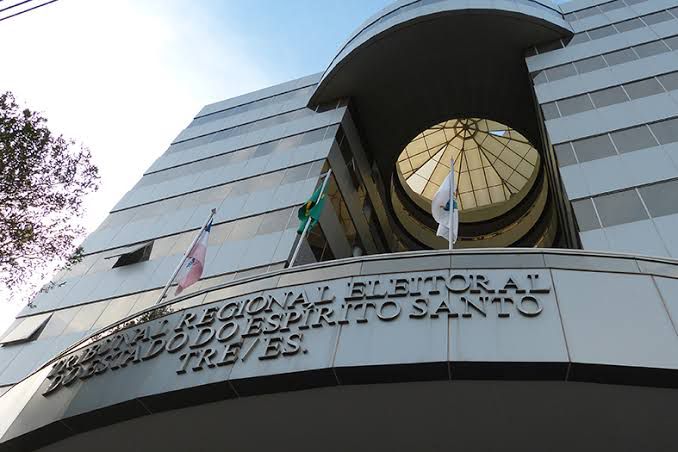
550,111
575,105
616,4
588,12
549,46
670,81
629,25
579,38
560,72
643,88
672,42
651,48
620,56
666,131
133,255
564,154
539,77
660,198
274,222
593,148
586,215
633,139
619,208
655,18
602,32
609,96
27,329
590,64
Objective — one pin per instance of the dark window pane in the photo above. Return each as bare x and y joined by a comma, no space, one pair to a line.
643,88
660,198
670,81
245,228
601,32
575,105
666,131
549,46
570,17
674,11
274,222
616,4
265,149
655,18
620,56
633,2
609,96
619,208
593,148
672,42
579,38
313,136
564,154
586,215
550,111
651,48
296,174
630,140
629,25
590,64
539,77
560,72
588,12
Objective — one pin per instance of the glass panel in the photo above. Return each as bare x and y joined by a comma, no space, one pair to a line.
588,12
651,48
630,140
274,222
666,131
672,42
616,4
655,18
643,88
539,77
670,81
660,199
575,105
609,96
586,215
579,38
629,25
602,32
549,46
565,154
246,228
550,111
620,56
593,148
590,64
560,72
619,208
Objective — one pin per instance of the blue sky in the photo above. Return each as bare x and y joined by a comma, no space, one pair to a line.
124,77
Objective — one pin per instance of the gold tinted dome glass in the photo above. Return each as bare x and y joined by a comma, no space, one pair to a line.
492,162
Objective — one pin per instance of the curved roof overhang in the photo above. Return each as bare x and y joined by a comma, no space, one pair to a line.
418,63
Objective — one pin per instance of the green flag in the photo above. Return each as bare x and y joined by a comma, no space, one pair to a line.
311,209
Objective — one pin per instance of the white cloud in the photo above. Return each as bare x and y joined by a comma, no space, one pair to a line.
122,76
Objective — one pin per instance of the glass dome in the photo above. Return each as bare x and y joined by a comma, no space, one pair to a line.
492,162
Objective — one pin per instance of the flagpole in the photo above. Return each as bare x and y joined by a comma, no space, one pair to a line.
181,262
308,222
449,234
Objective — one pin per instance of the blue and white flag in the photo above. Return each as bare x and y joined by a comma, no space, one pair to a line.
443,200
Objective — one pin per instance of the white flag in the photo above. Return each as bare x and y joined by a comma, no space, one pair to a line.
442,202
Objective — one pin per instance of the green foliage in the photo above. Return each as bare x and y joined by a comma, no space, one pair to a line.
43,180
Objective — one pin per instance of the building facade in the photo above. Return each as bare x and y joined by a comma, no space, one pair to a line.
556,309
